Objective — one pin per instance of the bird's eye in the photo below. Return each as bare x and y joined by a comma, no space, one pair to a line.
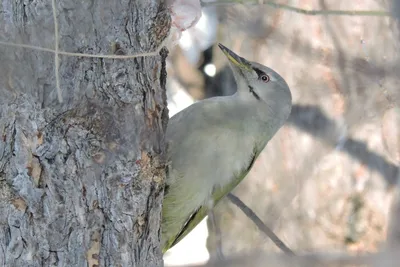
264,78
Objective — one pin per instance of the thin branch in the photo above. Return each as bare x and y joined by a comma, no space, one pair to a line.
376,13
56,47
217,231
71,54
261,226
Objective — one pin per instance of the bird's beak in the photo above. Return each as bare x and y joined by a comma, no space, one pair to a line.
236,60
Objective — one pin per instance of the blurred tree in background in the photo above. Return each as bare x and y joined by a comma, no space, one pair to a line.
327,179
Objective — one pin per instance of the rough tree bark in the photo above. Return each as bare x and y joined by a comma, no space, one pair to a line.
81,182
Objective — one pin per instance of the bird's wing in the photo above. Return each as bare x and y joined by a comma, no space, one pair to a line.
200,116
198,215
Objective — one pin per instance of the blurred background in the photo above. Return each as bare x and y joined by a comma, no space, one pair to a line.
325,182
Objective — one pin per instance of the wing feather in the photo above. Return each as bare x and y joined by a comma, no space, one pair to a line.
199,214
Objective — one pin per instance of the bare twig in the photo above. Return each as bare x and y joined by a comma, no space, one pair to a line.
261,226
377,13
71,54
56,47
217,232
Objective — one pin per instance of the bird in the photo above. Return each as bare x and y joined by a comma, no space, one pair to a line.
213,144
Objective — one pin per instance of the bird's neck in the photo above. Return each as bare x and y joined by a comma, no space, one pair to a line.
264,109
264,116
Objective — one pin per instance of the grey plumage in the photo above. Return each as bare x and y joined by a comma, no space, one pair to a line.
213,143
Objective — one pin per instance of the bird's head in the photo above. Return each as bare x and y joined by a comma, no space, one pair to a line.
260,82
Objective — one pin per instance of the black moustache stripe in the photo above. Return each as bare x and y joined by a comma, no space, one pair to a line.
251,89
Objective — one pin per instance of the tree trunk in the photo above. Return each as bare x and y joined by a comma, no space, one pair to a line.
81,182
